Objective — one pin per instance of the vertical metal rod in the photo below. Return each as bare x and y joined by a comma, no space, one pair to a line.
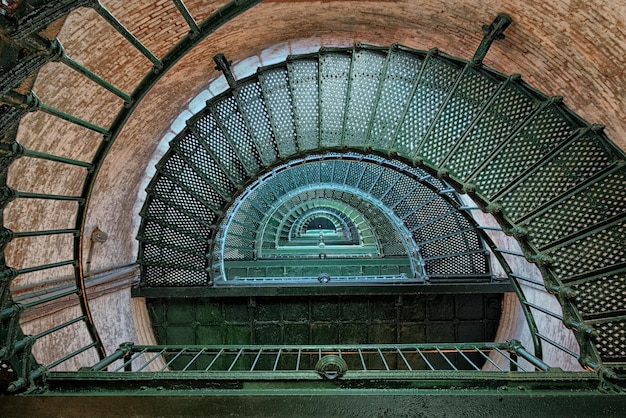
256,359
173,359
235,360
446,359
106,15
467,359
513,363
193,26
214,359
425,359
383,358
489,359
193,359
298,359
510,359
404,359
362,359
151,360
277,359
128,360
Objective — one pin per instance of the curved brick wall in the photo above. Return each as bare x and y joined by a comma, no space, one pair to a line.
574,49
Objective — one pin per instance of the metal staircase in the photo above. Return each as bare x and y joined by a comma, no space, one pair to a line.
544,173
407,129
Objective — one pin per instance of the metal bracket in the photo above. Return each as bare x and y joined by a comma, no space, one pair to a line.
224,65
492,32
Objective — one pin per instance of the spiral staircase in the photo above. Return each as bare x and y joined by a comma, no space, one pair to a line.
527,159
384,148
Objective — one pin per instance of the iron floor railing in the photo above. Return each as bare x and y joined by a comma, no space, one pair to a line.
313,361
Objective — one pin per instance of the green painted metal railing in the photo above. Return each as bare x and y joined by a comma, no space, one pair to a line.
21,31
307,362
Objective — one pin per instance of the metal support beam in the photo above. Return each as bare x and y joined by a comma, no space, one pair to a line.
223,65
106,15
193,26
322,289
33,102
492,32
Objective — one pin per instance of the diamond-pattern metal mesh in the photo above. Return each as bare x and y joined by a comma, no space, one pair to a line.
432,89
238,134
402,70
534,141
612,341
509,109
601,200
303,79
518,149
255,112
472,93
275,88
334,81
602,296
367,68
591,253
579,161
366,187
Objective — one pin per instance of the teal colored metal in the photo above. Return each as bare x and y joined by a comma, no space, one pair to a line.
19,307
193,25
91,75
106,15
31,101
360,361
